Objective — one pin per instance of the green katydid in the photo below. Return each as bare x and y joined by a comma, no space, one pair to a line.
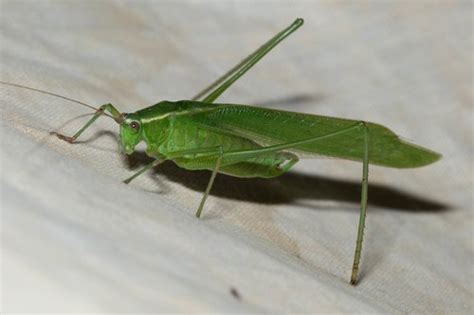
249,141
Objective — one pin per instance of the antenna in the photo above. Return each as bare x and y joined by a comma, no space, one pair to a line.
53,94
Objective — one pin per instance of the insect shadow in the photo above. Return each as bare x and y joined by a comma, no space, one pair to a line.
292,187
291,101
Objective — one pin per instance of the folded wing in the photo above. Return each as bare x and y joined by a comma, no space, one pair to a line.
269,127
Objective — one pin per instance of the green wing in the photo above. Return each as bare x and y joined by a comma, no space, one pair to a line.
269,127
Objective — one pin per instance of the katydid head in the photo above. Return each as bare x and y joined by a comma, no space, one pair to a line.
130,132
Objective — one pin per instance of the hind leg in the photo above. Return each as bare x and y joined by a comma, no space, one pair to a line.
212,92
363,208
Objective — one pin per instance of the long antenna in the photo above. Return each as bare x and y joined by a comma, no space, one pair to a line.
53,94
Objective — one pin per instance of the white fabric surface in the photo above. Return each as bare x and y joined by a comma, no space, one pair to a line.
75,239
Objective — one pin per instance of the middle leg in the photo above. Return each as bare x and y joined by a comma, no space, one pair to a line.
211,182
143,170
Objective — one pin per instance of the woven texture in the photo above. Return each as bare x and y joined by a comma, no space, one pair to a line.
76,239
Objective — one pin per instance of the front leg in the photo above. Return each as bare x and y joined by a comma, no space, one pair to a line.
115,114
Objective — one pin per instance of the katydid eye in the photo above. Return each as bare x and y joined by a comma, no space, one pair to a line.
134,125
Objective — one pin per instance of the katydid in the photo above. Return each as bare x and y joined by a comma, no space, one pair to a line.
249,141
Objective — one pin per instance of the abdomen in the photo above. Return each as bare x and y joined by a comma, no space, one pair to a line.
185,136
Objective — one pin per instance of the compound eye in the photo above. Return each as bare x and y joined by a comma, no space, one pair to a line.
134,125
